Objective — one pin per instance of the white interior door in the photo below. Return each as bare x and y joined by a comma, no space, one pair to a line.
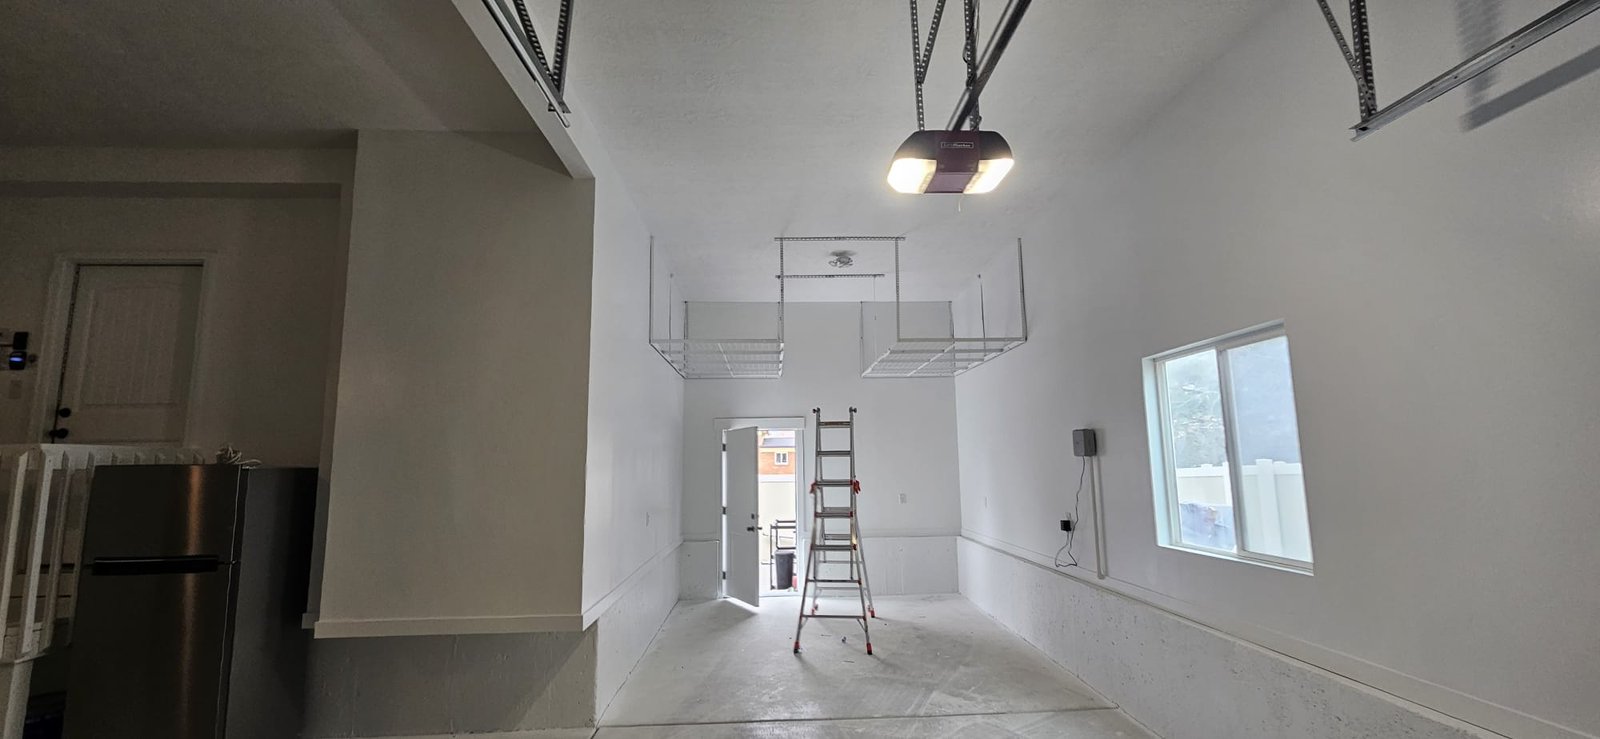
130,351
741,493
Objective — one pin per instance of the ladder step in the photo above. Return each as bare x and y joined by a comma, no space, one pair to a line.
818,579
834,452
835,483
835,513
833,424
832,548
834,615
835,537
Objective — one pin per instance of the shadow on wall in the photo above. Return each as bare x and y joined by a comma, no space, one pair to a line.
422,685
1480,23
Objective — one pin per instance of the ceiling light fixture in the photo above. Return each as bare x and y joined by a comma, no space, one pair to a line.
953,161
842,259
950,161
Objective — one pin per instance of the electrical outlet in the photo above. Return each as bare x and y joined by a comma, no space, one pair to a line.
1066,524
902,497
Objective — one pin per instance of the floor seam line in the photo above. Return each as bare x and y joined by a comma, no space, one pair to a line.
853,718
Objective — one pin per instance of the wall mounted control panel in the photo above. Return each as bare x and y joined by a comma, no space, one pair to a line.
1085,443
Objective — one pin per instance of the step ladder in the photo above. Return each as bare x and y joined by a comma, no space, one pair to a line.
835,561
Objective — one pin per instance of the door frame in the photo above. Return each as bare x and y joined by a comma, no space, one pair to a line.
802,424
57,315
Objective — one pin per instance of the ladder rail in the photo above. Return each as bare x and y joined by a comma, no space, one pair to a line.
822,542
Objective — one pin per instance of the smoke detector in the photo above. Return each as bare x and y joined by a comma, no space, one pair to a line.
842,259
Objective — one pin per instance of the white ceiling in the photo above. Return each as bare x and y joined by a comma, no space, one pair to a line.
734,121
242,72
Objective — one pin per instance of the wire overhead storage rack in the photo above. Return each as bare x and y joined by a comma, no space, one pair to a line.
713,354
943,338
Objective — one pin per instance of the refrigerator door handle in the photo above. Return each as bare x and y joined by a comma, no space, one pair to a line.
184,565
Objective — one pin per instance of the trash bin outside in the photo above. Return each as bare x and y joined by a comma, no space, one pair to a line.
784,578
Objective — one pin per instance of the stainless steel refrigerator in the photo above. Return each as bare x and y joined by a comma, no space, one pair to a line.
187,624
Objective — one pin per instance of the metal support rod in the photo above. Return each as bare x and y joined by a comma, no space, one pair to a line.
838,238
1022,289
1010,18
897,335
832,276
1361,39
1479,63
563,46
781,283
983,314
1338,38
650,291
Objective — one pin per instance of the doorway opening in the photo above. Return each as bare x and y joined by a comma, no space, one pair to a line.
763,509
121,345
778,475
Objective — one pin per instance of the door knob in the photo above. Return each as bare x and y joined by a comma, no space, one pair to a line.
63,412
749,528
57,433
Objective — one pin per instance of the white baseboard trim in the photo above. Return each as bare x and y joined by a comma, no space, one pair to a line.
526,734
345,629
1399,686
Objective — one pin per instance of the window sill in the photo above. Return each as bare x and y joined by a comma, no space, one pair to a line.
1269,564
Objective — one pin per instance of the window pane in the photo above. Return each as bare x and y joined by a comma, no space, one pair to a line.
1199,451
1272,492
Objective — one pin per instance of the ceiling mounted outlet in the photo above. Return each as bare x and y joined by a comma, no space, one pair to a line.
842,259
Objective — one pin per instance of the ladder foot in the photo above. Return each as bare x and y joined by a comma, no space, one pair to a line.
869,648
872,613
797,647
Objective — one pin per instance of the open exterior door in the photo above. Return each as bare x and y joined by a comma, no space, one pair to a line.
740,494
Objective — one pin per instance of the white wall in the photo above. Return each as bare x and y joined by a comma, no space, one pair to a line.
905,444
635,443
457,480
264,348
1439,290
628,433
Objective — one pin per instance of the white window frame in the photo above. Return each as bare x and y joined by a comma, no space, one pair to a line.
780,459
1164,469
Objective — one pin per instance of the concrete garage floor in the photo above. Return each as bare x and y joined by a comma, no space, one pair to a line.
940,669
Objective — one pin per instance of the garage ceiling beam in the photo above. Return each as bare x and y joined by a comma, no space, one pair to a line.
517,25
1360,60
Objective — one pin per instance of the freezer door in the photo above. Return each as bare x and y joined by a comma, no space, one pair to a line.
163,511
149,651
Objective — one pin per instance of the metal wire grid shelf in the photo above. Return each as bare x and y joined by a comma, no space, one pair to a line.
938,357
699,359
716,358
945,356
762,358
